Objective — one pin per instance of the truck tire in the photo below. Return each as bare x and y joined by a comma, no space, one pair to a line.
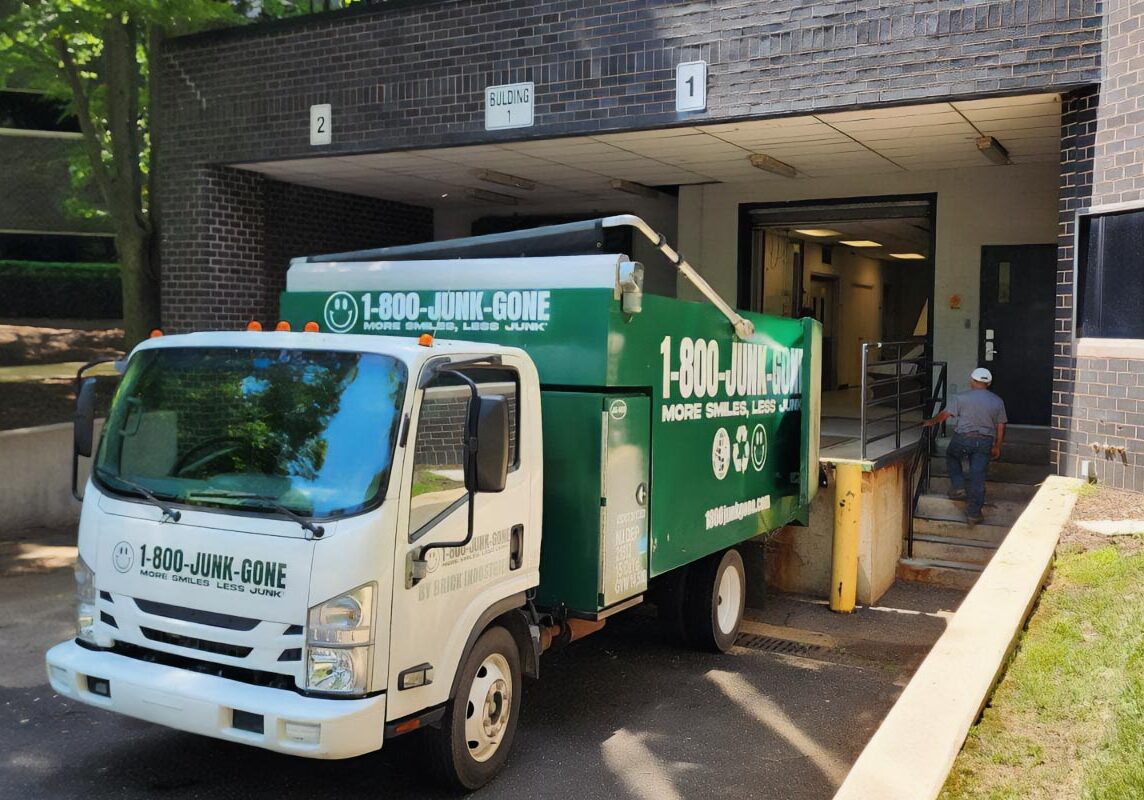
715,599
477,730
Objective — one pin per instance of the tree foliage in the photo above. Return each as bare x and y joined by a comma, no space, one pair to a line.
93,56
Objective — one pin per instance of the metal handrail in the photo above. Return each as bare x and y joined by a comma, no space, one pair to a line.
924,452
922,371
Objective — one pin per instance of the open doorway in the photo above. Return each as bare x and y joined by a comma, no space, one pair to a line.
863,267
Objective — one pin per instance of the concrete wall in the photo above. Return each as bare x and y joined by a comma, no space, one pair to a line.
799,559
36,488
991,205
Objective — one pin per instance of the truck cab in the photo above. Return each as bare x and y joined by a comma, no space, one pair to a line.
273,489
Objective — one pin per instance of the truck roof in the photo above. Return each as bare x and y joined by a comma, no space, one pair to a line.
403,347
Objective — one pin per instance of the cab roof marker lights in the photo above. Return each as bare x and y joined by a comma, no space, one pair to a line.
254,325
282,326
311,327
504,179
155,334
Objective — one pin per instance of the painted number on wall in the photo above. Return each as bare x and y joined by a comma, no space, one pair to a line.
321,124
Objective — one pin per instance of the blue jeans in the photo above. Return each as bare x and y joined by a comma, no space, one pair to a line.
978,450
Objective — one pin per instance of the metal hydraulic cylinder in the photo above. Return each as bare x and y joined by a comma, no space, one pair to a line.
847,513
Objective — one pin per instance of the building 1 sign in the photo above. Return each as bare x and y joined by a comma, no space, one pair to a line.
509,106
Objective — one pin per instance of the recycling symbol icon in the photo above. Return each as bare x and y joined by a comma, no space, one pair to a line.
741,450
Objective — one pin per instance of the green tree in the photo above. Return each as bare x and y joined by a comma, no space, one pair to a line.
94,56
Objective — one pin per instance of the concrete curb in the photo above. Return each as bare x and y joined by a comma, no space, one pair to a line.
911,753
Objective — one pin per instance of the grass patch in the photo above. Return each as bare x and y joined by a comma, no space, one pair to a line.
426,481
1087,490
1067,720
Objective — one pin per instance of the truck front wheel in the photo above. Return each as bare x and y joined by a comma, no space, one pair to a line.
714,602
477,730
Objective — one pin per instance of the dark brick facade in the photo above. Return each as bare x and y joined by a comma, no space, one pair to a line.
412,75
229,235
1098,402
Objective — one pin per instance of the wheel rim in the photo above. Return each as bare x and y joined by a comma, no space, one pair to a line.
727,600
489,707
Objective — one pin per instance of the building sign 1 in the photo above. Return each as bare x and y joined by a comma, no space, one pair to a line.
509,106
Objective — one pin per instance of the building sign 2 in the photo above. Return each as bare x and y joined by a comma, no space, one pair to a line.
509,106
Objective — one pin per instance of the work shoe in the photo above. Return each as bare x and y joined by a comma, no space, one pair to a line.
956,494
975,519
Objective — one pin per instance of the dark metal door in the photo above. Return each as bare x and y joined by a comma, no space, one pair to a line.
1018,296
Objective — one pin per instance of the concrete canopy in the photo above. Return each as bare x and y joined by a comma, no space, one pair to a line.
576,173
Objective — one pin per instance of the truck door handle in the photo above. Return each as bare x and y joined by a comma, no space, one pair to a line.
516,547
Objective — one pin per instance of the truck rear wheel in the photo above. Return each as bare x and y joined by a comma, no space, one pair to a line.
715,599
477,731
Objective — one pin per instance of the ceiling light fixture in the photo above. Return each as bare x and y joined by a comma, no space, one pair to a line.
908,256
861,243
493,197
993,150
819,232
504,179
631,187
768,164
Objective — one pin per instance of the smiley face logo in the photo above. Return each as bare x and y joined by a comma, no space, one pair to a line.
122,555
341,312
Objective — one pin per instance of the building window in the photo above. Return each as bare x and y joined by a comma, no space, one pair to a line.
1110,281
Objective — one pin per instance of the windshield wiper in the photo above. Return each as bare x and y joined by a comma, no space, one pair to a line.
317,531
168,512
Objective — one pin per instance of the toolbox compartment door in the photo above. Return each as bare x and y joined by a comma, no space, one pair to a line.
624,494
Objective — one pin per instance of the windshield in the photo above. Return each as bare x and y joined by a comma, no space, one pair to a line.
308,430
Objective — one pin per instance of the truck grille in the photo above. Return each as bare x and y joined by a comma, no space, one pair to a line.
218,648
214,619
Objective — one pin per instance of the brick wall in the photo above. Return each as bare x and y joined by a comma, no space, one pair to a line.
413,75
1098,411
228,236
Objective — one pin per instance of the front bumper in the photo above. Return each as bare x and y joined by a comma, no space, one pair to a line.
206,704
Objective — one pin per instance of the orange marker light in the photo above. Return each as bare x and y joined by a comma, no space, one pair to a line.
282,326
254,325
425,340
155,334
311,327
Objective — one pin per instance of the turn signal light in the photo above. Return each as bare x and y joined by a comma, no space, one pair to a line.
311,327
155,334
282,326
254,325
425,340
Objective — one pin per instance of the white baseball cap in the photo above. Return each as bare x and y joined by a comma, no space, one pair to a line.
982,375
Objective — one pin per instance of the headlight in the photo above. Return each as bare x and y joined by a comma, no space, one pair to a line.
85,611
339,643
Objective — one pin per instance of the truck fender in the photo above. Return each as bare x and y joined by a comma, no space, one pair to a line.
507,613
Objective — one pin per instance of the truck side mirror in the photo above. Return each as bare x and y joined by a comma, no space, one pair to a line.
489,467
83,428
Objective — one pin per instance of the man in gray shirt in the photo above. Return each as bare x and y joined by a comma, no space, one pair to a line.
978,435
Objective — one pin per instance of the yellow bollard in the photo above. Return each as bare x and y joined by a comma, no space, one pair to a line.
844,561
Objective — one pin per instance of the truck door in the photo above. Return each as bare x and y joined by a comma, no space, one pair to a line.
432,620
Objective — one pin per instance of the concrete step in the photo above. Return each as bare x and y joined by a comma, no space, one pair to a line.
994,490
994,534
1001,472
951,548
997,512
952,574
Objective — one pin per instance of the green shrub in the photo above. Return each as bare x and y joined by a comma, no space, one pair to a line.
60,290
